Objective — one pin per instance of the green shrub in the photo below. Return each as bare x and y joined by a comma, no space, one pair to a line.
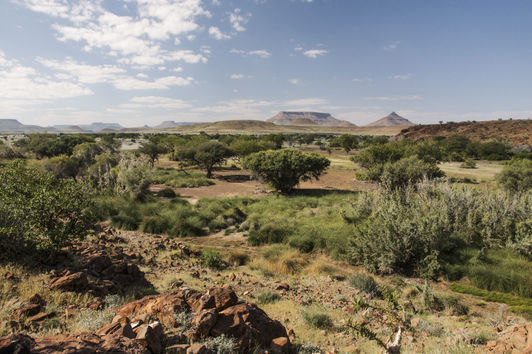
212,259
407,171
284,169
154,225
39,210
166,193
268,297
221,345
317,318
364,283
468,164
516,176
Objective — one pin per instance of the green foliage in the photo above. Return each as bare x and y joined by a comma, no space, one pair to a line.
213,259
496,270
63,166
8,153
469,163
407,171
204,153
152,149
49,145
102,172
409,231
517,304
166,193
284,169
133,177
516,176
317,318
179,179
363,282
40,210
268,297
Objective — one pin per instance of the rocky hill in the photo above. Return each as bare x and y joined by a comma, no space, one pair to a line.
515,132
308,118
14,126
391,120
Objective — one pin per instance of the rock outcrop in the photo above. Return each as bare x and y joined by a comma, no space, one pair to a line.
152,324
308,118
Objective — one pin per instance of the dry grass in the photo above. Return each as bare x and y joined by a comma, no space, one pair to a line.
485,171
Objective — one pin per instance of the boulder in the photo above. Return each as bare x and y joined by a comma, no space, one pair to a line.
73,282
28,310
16,343
280,344
249,325
203,322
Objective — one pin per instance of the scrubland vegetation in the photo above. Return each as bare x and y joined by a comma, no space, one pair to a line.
415,223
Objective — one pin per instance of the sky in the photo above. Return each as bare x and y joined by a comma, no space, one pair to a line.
140,62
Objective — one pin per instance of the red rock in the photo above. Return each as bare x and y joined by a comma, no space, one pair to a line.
282,286
249,325
149,338
73,282
281,344
224,297
39,317
36,299
16,343
28,310
198,348
203,322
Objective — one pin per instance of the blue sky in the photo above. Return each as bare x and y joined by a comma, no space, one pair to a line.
142,62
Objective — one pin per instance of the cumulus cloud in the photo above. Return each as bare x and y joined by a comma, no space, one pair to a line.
144,102
238,20
294,81
25,85
217,34
237,76
137,39
306,102
314,53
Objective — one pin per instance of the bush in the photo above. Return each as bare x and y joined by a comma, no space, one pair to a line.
364,283
213,260
39,210
133,177
284,169
221,345
516,176
468,164
268,297
407,171
317,318
166,193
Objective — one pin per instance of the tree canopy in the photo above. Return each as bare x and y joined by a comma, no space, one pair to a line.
284,169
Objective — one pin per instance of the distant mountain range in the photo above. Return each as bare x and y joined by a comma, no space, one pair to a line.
308,118
391,120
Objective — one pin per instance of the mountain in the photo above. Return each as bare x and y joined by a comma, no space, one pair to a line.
99,126
391,120
308,118
14,126
169,124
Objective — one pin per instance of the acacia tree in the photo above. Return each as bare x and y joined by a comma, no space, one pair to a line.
284,169
204,154
152,149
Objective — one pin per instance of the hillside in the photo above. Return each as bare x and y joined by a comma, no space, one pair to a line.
307,118
516,132
391,120
14,126
262,127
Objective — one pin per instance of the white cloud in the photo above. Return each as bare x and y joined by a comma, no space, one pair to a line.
314,53
237,20
400,77
294,81
237,76
394,98
391,46
357,80
84,73
25,85
163,83
217,34
237,108
137,40
261,53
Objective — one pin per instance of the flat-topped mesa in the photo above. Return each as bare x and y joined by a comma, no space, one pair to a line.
391,120
307,118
